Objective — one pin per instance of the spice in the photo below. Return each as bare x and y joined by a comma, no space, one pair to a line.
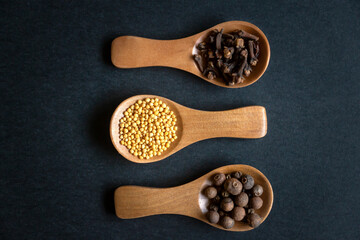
241,200
233,186
238,213
227,204
257,190
227,55
254,220
210,192
256,203
213,207
148,128
219,179
230,201
227,222
236,174
213,216
247,181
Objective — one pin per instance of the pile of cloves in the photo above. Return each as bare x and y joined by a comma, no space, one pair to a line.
229,56
234,197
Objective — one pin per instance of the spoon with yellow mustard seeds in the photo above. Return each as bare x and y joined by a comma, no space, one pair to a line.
195,125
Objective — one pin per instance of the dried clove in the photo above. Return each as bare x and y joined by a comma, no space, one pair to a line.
211,54
219,63
228,67
239,43
244,55
253,59
218,39
256,49
218,54
199,61
227,55
247,70
201,46
244,34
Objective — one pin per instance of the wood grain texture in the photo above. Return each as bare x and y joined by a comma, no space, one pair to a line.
135,52
134,201
195,125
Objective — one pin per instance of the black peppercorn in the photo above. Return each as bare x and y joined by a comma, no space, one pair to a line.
236,174
219,179
227,204
213,216
241,200
228,176
254,220
247,181
233,186
257,190
238,213
210,192
256,203
227,222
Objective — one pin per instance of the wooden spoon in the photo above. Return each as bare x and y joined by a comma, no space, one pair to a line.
187,199
195,125
134,52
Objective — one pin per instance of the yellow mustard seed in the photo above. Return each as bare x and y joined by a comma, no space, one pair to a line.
148,128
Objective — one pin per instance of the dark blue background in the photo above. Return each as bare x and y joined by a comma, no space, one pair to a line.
59,89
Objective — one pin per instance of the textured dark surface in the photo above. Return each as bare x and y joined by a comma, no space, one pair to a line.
59,89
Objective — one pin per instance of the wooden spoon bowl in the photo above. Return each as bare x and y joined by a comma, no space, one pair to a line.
134,52
187,199
195,125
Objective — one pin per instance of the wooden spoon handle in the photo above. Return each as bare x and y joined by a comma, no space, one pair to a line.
134,52
135,201
246,122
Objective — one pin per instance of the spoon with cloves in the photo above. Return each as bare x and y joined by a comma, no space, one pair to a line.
188,199
195,125
135,52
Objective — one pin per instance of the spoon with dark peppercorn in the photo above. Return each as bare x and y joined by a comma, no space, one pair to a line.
184,54
192,126
190,200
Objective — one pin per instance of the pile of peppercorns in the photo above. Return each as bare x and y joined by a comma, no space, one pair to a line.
235,197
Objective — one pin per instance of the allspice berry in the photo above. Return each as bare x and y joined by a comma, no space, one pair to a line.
237,174
233,186
210,192
225,194
256,203
213,216
233,197
213,207
257,190
247,181
250,211
216,199
241,200
238,213
219,179
227,204
254,220
221,213
227,222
